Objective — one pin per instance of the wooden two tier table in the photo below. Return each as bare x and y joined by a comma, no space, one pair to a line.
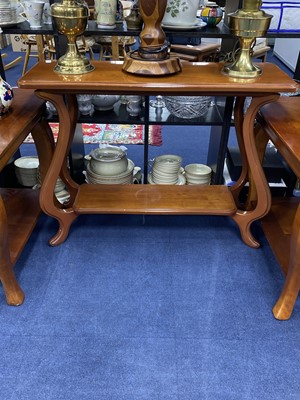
199,79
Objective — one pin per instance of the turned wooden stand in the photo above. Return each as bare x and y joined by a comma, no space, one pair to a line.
19,208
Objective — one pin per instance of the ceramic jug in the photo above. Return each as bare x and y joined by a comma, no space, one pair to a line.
181,13
47,18
106,11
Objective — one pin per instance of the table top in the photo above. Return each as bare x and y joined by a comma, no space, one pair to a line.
194,79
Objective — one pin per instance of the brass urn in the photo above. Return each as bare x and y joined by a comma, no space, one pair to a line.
247,24
70,18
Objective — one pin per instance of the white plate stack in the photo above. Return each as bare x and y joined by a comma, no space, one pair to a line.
123,178
165,170
60,191
7,13
197,174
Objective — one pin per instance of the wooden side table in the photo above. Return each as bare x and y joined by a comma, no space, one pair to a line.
200,52
195,79
19,208
280,123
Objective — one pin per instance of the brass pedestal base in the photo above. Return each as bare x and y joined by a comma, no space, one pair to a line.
73,65
253,72
168,66
243,67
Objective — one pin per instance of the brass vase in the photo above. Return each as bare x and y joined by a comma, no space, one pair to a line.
70,18
247,24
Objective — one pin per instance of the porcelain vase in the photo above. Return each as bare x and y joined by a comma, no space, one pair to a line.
212,14
6,96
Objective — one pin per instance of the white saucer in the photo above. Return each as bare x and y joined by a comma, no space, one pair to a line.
198,24
9,24
12,23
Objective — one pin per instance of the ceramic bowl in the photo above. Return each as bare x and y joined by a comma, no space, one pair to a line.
197,174
108,161
167,163
104,102
197,170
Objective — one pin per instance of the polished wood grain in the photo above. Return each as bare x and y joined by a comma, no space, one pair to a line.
19,208
153,36
277,226
195,79
154,199
280,121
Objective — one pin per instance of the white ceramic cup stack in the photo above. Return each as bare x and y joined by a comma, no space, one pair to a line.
26,169
7,12
166,169
197,174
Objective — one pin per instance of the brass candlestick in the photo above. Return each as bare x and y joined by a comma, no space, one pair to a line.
247,24
152,57
70,18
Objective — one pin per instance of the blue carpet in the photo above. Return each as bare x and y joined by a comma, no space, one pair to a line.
154,308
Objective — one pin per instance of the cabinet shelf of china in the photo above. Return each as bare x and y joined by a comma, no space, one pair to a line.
118,115
221,31
215,117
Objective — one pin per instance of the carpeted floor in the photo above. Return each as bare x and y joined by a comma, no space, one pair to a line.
149,308
133,308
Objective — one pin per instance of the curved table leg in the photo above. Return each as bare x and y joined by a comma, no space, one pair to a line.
238,119
243,218
13,292
48,202
285,304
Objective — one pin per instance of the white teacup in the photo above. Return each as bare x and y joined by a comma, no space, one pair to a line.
34,13
181,13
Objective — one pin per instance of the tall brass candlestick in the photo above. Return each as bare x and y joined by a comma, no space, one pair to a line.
247,24
70,18
152,57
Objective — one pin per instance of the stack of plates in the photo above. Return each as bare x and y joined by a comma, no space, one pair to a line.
198,174
60,191
165,170
7,13
181,179
124,178
26,169
198,23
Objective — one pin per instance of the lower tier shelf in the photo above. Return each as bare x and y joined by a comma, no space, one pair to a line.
154,199
22,209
